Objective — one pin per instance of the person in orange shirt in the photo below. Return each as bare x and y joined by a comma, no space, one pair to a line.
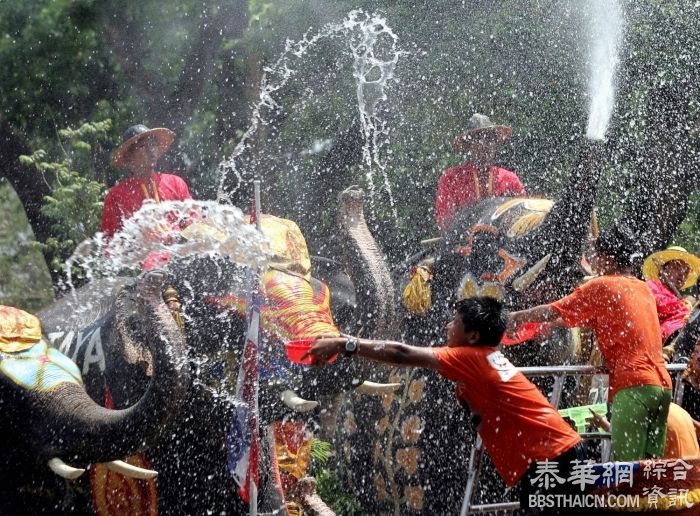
622,313
509,407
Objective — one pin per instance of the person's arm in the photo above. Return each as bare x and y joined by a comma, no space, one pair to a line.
388,352
542,313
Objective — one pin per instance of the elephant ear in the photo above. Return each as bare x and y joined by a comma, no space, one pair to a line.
19,330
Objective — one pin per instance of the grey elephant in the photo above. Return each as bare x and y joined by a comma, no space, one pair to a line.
52,428
192,457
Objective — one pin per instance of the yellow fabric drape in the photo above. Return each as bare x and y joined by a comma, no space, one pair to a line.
19,330
417,296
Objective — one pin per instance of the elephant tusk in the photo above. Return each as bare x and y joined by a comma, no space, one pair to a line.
368,387
294,402
522,282
63,470
128,470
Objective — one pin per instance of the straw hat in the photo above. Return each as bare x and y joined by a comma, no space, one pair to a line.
477,126
655,261
162,137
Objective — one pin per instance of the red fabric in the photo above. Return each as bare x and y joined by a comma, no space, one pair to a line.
126,197
457,188
155,260
622,313
518,424
673,312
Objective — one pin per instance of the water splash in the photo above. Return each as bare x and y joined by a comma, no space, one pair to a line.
606,24
369,38
175,228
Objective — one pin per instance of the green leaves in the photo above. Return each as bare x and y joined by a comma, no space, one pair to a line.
75,202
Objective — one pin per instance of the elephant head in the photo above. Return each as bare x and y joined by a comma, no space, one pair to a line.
49,418
525,251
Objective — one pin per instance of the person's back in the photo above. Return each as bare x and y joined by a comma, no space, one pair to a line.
622,313
681,438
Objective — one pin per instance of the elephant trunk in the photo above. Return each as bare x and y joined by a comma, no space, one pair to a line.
80,430
374,288
568,225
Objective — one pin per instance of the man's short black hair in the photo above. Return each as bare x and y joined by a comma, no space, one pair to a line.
617,243
485,315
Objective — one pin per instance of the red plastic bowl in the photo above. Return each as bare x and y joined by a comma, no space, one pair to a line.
297,348
526,332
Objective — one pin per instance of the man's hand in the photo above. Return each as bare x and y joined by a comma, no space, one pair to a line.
512,325
598,420
324,348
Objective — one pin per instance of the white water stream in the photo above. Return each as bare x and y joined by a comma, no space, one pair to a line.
368,38
606,25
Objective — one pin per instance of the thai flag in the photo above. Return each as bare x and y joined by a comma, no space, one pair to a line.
242,440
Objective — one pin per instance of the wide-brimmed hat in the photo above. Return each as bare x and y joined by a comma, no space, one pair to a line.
162,137
655,261
477,126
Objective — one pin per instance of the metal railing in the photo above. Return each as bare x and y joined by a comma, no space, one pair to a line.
560,373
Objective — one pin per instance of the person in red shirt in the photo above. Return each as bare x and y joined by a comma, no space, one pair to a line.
138,154
666,273
509,407
478,178
622,313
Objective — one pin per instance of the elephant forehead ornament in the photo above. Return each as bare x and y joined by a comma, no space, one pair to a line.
26,359
293,305
490,264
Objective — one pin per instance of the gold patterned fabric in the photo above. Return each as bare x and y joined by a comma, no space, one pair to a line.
287,244
19,330
417,296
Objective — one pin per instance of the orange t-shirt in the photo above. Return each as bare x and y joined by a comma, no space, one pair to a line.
518,425
681,439
622,313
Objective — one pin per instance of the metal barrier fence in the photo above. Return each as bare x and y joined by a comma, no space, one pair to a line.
560,373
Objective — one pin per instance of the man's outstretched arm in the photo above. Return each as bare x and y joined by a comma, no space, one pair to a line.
542,313
388,352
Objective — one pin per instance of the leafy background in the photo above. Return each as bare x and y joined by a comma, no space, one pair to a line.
77,73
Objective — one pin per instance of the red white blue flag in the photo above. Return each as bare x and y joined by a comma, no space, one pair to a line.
243,443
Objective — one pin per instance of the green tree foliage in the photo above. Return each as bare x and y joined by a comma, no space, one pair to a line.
196,67
328,485
75,203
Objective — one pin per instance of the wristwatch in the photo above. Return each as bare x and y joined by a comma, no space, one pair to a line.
350,347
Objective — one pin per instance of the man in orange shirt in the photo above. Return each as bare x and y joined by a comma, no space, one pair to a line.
622,313
510,408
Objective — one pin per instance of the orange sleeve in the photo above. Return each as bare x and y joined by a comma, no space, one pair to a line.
457,364
579,307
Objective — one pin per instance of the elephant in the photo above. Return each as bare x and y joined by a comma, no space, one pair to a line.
191,459
49,418
408,452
